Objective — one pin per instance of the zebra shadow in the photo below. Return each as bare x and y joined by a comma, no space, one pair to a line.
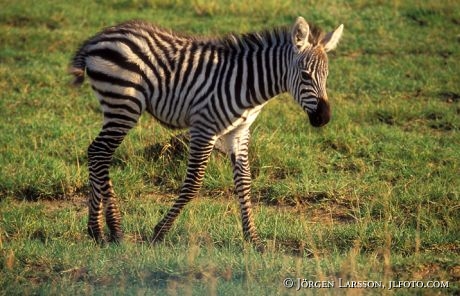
175,148
173,155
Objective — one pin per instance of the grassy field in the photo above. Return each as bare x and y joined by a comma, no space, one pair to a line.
373,196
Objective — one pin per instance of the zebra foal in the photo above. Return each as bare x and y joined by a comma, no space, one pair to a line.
216,87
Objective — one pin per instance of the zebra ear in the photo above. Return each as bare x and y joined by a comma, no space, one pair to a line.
331,39
300,32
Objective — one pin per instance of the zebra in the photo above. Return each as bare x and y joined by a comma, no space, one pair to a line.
214,86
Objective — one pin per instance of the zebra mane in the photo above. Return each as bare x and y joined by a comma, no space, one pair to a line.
231,40
282,35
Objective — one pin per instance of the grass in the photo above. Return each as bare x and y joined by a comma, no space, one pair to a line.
373,196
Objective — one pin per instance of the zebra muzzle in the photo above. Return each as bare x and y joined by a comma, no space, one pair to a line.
322,115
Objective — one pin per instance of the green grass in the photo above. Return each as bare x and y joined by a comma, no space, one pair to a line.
374,195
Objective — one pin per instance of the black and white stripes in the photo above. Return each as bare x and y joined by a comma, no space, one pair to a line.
215,87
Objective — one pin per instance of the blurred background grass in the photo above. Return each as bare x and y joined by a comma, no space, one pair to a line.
373,195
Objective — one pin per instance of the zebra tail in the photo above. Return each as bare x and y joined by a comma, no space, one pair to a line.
78,67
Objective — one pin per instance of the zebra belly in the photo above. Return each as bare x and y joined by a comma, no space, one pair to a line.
169,124
169,112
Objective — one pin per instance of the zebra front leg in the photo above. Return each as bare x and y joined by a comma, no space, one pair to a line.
237,142
200,148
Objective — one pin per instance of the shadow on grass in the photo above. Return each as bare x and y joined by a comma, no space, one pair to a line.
292,247
177,147
35,193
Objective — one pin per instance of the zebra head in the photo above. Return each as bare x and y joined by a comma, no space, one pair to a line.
309,70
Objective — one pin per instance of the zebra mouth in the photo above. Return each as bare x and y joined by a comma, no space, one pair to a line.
322,115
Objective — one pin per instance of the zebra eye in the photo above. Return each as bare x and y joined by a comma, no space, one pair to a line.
305,75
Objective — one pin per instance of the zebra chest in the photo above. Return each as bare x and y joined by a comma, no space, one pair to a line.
244,120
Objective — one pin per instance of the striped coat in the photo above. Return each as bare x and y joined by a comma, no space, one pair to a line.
215,87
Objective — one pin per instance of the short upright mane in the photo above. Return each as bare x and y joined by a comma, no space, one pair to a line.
281,34
233,40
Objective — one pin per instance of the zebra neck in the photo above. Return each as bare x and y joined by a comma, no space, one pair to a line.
256,74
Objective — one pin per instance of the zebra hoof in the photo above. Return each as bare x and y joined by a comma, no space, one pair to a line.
100,241
259,247
116,238
97,236
157,238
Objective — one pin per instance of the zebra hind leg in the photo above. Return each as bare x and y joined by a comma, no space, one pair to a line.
102,197
201,146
